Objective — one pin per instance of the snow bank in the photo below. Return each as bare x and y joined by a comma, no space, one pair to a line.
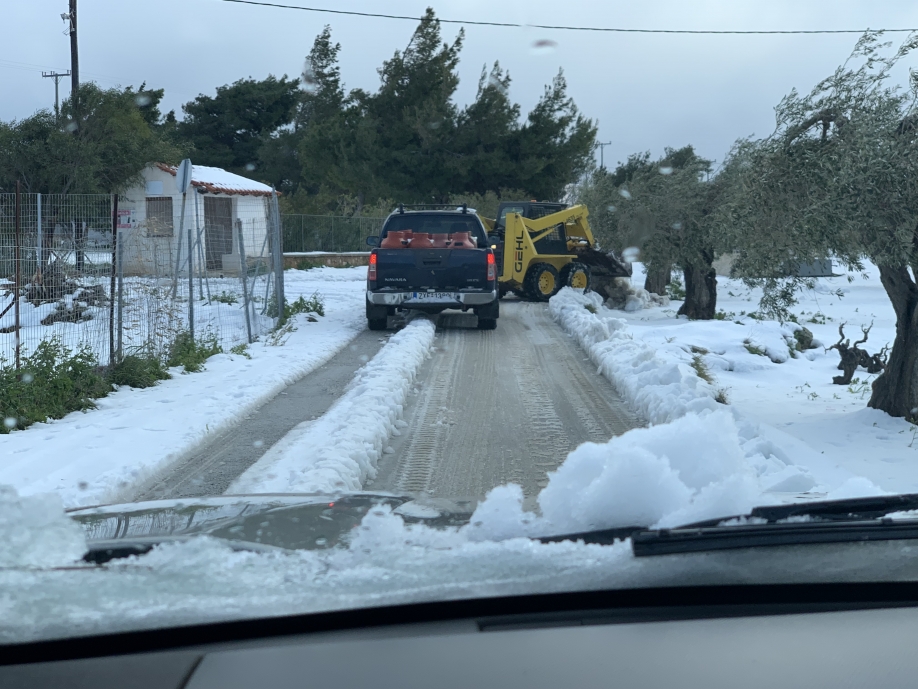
340,450
656,382
101,455
35,531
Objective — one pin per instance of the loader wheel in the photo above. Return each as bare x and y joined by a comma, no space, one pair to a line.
576,275
542,282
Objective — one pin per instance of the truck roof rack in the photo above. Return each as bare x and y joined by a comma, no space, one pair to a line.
432,206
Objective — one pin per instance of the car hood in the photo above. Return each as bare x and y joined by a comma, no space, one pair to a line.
289,521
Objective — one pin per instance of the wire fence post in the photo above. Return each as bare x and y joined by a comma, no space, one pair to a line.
120,299
18,268
244,269
112,359
278,260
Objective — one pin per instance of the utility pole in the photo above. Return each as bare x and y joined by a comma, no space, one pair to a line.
57,76
602,150
71,18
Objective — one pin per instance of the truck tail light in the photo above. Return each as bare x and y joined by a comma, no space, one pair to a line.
492,267
371,272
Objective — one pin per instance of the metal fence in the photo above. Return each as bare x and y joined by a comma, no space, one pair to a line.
332,233
76,269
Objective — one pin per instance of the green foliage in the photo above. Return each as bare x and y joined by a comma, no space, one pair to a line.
101,147
701,369
241,350
306,264
313,305
675,290
752,349
138,372
590,308
225,298
190,353
409,141
51,382
229,129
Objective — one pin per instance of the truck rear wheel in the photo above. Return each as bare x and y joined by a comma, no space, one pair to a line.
377,323
487,324
576,275
542,282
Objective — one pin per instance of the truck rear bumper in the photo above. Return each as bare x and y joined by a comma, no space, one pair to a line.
444,299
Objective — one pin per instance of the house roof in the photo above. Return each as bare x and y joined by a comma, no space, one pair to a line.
215,180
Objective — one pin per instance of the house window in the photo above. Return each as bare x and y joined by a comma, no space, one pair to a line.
159,217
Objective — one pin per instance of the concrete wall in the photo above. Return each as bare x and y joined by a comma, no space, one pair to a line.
291,260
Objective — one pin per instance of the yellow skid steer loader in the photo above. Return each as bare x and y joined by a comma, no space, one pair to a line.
542,247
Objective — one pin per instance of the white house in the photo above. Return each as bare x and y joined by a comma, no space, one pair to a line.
219,206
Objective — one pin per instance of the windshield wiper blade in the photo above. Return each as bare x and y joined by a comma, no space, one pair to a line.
850,508
695,540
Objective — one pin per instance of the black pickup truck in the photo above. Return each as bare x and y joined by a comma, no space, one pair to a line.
430,261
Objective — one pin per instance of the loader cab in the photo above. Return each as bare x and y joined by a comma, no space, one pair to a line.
528,209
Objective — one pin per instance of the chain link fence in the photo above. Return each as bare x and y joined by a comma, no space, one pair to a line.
329,233
116,276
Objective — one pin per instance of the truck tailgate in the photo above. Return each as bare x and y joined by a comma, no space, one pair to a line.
439,269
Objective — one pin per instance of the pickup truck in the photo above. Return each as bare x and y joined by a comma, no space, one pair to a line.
430,261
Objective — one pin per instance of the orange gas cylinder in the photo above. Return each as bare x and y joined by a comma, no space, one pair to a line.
439,240
396,240
460,240
421,240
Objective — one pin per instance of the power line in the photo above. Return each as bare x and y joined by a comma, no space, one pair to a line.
376,15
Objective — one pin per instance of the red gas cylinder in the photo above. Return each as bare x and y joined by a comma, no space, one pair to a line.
439,240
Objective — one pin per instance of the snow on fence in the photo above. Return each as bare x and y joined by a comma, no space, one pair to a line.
331,233
85,271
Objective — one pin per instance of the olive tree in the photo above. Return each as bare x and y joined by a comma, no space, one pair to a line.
663,208
839,175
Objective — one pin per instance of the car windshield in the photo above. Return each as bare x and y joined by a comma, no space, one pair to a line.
252,367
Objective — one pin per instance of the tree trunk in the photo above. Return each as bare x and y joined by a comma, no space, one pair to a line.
700,289
658,277
895,391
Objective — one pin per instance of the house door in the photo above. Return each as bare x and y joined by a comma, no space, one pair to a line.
218,230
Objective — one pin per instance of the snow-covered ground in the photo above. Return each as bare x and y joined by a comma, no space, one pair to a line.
100,455
340,450
794,399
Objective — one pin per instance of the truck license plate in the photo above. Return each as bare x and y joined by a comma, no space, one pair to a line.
433,296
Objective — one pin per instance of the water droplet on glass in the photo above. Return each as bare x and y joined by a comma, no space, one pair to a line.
321,541
497,84
250,166
433,125
544,46
624,193
364,358
258,443
310,83
27,377
631,254
677,225
9,422
71,127
82,485
666,170
611,209
142,100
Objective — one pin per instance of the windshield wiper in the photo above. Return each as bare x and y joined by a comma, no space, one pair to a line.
830,521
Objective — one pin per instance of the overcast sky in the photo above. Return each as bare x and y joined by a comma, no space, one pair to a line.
646,91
